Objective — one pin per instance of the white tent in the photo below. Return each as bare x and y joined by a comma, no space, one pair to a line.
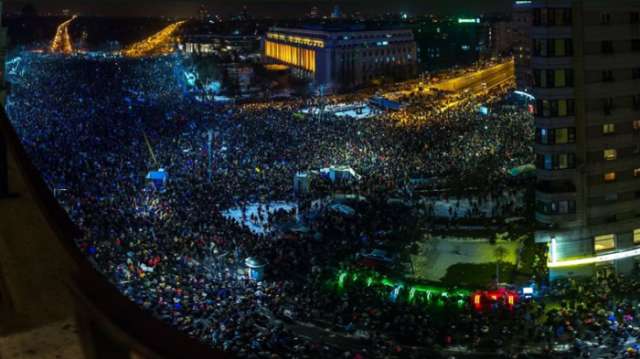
340,173
343,209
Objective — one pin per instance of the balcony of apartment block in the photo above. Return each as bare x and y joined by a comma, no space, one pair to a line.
612,31
555,202
595,114
560,190
629,184
550,32
52,275
616,60
551,62
610,210
613,88
559,148
555,219
555,122
621,140
603,225
553,93
555,174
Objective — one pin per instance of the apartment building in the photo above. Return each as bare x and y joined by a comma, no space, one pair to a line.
586,74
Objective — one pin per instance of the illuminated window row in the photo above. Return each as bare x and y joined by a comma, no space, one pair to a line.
296,56
296,39
602,243
611,176
607,242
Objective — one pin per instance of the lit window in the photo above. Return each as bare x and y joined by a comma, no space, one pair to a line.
610,154
604,243
636,125
560,47
563,161
548,162
608,128
562,135
562,108
563,207
636,172
636,235
560,79
609,176
544,138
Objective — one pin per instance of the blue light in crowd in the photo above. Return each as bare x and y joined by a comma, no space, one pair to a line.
191,78
214,86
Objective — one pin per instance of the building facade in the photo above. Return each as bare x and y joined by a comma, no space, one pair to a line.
345,56
521,21
444,42
202,44
586,71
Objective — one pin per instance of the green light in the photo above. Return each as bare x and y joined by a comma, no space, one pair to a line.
468,21
438,294
387,282
341,279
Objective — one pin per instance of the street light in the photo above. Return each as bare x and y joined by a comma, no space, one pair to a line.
554,249
58,190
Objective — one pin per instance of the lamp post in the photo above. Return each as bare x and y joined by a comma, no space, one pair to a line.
499,254
58,190
209,154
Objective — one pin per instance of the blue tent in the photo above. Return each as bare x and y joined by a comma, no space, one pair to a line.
158,178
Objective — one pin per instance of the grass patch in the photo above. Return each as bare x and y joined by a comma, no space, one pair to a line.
476,275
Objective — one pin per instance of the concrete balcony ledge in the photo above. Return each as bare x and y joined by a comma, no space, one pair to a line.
555,218
621,32
601,90
542,63
546,196
564,148
547,175
622,60
551,32
559,93
555,122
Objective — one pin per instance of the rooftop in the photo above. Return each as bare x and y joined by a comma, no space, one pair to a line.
347,26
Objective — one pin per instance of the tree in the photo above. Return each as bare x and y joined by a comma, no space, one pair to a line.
499,253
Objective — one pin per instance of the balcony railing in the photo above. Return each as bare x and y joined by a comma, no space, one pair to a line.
105,311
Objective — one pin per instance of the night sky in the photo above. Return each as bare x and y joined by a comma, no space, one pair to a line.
278,8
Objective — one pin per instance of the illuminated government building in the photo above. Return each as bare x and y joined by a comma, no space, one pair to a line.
343,56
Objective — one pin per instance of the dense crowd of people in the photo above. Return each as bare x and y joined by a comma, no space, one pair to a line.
95,127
